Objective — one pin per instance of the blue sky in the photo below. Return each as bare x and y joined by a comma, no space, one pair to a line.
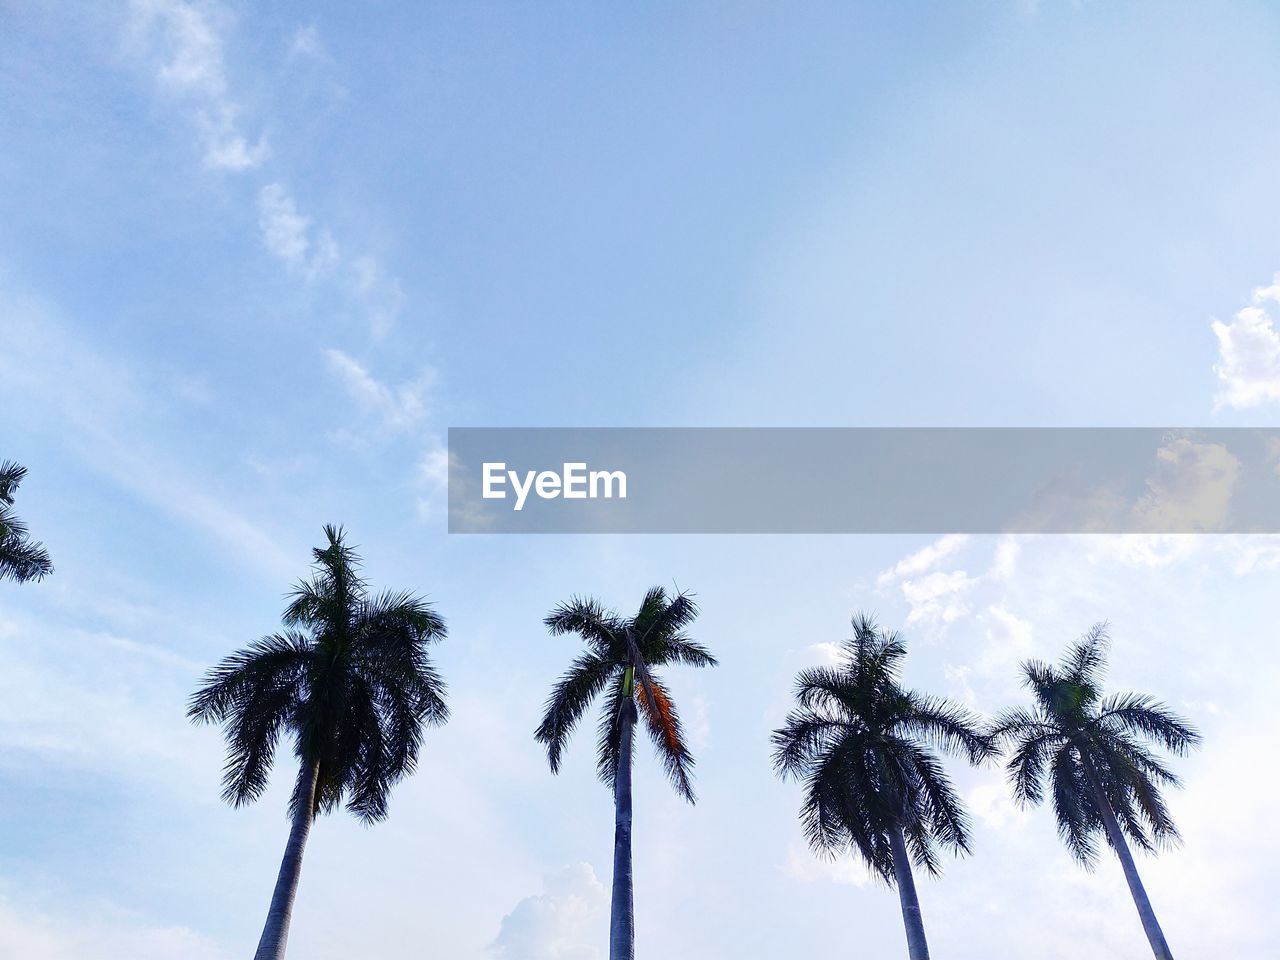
254,261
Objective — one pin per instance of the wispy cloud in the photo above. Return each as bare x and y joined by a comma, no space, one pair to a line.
96,933
306,44
96,401
392,408
184,44
290,236
935,596
1248,366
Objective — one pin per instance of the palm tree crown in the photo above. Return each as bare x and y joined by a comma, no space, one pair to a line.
349,680
1083,745
21,558
864,746
620,660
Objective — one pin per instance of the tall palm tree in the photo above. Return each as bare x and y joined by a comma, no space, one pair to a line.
1093,754
21,558
864,746
349,680
620,662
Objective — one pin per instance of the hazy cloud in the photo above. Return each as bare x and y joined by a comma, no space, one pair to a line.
1248,366
567,921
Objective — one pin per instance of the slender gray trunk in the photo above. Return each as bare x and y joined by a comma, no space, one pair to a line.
275,934
622,920
912,919
1118,843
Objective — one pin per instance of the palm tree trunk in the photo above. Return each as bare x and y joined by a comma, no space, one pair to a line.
275,934
1118,843
622,920
912,919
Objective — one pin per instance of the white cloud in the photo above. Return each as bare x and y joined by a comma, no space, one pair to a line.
284,230
433,480
1253,552
993,806
306,43
1142,549
1008,549
183,43
924,559
1191,488
826,654
1248,366
1188,488
567,921
434,467
395,408
803,866
379,294
936,597
289,236
292,237
33,935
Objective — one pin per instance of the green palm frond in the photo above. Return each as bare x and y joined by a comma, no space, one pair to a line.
1090,751
618,647
350,682
21,558
865,748
569,700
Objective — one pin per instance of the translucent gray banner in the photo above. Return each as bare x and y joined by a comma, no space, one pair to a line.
864,480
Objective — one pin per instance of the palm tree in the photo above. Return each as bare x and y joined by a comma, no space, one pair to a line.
620,661
1092,752
864,746
21,559
349,680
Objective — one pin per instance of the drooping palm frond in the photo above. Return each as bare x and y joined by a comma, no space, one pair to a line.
1092,751
619,667
569,700
663,723
864,747
21,558
350,682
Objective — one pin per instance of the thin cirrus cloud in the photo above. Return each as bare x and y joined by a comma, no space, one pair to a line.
392,408
290,235
105,935
183,46
1248,366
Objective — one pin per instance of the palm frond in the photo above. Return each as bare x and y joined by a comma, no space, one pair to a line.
946,726
663,722
569,700
350,681
863,746
1148,717
21,558
1093,751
